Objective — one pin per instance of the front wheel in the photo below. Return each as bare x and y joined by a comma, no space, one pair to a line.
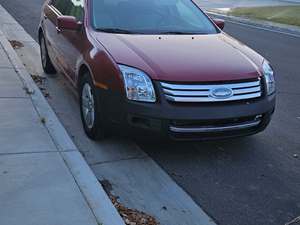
90,108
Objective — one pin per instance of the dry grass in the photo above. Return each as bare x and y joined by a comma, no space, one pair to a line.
280,14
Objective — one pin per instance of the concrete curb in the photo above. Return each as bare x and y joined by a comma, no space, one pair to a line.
265,25
100,204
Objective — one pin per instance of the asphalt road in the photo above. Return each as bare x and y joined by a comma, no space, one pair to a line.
247,181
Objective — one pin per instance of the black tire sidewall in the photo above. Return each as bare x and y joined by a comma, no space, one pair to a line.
48,67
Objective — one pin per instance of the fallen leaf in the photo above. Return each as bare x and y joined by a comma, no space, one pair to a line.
43,120
28,91
16,44
130,216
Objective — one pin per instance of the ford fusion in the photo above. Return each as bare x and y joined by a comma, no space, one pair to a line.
162,66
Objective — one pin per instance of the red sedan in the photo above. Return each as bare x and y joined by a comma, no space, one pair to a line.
161,66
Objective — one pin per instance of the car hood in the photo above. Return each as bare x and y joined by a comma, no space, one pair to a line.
185,58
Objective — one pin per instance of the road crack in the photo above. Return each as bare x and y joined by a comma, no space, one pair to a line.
295,221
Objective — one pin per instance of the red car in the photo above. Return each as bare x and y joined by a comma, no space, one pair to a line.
159,65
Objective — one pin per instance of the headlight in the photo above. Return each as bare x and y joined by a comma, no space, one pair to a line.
137,84
269,77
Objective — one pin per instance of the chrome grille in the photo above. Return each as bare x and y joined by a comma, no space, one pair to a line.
207,93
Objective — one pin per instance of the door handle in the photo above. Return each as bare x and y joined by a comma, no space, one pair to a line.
45,17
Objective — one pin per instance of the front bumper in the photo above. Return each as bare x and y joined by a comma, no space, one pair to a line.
202,121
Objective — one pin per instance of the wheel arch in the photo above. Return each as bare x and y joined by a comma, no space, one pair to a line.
83,69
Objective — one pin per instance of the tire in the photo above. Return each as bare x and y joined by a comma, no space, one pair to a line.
90,109
46,61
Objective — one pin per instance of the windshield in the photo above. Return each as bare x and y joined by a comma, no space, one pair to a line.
150,17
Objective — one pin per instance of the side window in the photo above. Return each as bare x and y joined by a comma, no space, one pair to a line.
60,5
70,8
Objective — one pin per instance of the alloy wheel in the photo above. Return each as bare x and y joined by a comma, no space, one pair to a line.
88,106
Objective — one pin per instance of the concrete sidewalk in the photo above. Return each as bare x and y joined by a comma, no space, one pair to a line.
42,182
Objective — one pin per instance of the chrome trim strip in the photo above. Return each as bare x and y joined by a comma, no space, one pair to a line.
214,129
209,87
246,90
187,93
211,99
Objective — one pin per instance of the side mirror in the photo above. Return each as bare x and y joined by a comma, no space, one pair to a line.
67,23
220,23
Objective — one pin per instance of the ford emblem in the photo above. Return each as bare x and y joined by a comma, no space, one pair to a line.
222,93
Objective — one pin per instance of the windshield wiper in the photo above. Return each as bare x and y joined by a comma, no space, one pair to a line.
115,30
181,32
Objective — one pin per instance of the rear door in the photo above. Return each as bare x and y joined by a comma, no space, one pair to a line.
50,31
53,10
